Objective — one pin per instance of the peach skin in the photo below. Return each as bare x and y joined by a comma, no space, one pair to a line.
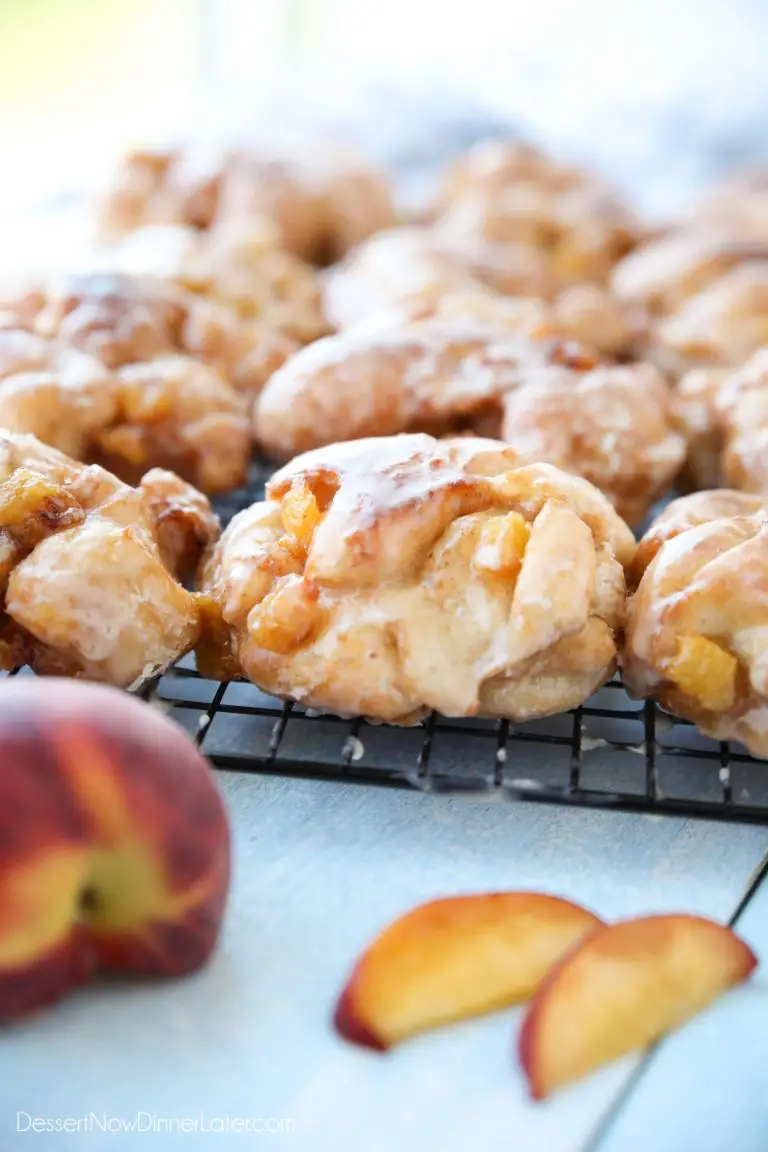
622,988
454,958
114,842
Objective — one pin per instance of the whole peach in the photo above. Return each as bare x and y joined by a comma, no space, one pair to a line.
114,842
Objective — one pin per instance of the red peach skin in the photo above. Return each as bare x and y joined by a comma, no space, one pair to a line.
454,958
114,842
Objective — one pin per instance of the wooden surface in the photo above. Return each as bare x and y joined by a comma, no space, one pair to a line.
320,868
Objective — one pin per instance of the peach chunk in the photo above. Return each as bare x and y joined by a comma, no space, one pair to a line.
502,544
286,617
705,671
301,514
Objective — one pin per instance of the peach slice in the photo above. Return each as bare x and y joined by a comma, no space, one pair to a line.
622,988
454,958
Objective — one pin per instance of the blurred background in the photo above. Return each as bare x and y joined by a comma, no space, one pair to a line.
660,94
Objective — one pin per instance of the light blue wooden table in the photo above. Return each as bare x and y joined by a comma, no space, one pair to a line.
320,868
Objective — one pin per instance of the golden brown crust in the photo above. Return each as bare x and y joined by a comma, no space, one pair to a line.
178,414
584,313
111,374
663,274
721,325
430,370
388,577
690,512
272,188
741,407
613,426
180,519
406,268
117,319
696,418
528,224
322,202
705,295
358,203
88,566
592,314
64,399
476,361
136,184
127,319
168,412
390,268
725,418
511,268
695,626
499,164
236,265
122,319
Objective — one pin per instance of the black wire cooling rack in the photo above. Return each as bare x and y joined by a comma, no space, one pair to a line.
613,752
